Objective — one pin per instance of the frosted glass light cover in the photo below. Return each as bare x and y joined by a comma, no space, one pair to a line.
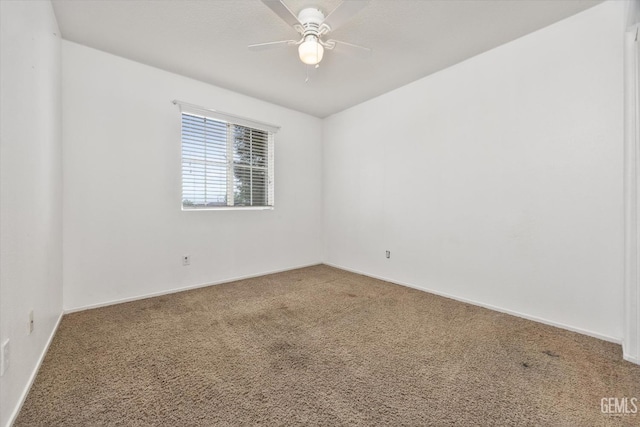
310,51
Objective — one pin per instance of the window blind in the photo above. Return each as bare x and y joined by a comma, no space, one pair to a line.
225,164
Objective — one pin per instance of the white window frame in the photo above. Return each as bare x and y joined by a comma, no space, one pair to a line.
232,121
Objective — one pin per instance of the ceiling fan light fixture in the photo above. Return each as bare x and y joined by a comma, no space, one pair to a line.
310,50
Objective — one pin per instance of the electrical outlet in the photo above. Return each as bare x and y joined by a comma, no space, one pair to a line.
388,254
31,325
186,260
4,357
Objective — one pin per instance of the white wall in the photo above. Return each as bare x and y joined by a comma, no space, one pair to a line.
498,180
30,191
124,231
631,296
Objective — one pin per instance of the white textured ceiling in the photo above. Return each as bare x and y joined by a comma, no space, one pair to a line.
207,40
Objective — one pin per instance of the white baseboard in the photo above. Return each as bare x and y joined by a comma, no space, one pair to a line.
32,378
631,359
182,289
489,306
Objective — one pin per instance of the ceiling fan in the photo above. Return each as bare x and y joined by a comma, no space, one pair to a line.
313,26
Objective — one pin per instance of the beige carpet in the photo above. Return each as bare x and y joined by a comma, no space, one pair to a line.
321,346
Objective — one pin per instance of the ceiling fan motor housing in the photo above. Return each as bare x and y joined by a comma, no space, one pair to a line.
311,20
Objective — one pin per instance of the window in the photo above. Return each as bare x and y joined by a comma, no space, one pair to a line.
225,164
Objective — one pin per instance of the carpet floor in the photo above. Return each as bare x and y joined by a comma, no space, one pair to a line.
321,346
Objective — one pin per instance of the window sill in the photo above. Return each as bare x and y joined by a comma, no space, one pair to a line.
230,208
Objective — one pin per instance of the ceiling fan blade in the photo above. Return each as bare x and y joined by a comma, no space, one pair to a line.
282,11
345,11
351,48
271,45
